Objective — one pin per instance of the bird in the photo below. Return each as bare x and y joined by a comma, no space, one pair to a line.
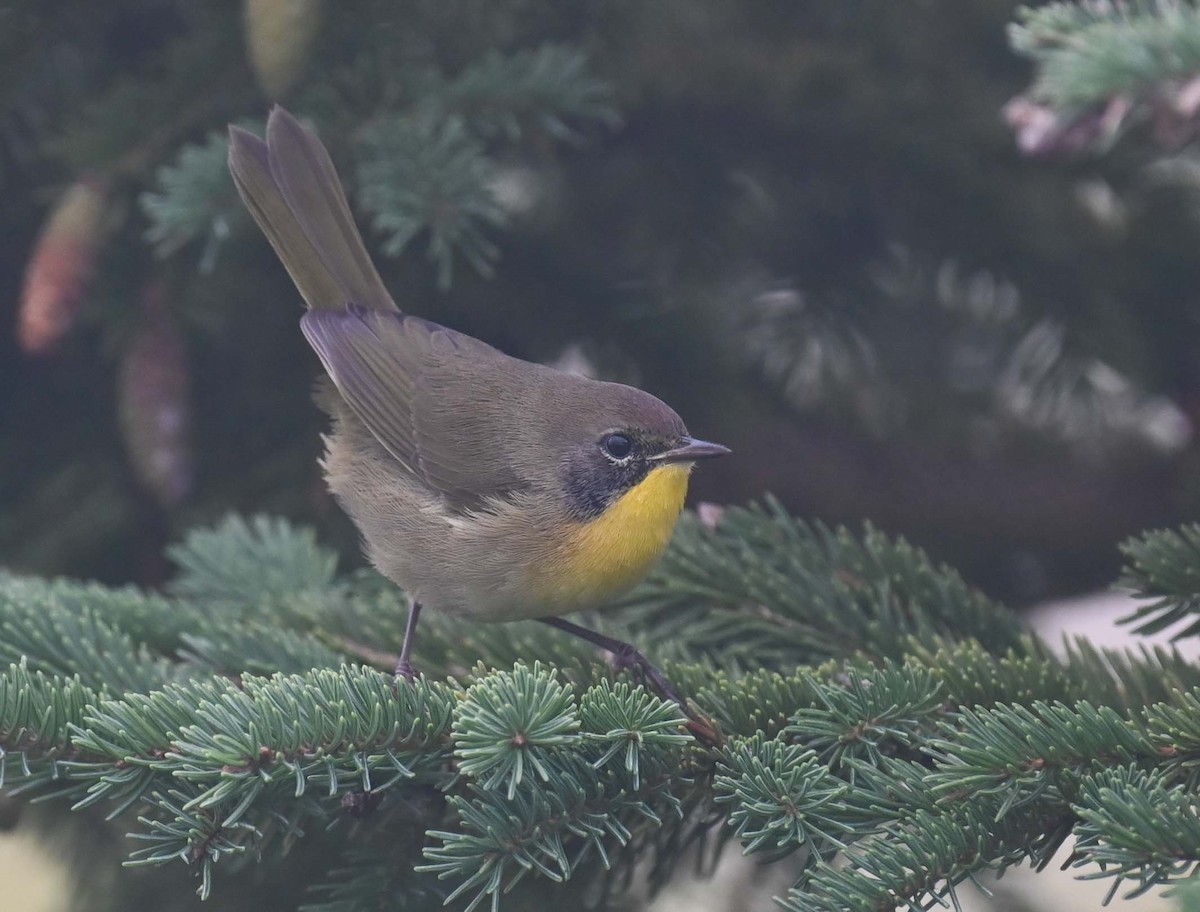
485,486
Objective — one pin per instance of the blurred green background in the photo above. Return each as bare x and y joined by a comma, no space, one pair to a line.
806,226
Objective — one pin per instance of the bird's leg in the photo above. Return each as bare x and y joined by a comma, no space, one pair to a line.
404,668
628,656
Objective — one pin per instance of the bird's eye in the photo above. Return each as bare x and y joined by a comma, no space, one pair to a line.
618,446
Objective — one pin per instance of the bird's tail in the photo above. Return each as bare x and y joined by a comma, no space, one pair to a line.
291,188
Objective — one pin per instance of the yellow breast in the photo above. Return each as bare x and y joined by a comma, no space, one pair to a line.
612,552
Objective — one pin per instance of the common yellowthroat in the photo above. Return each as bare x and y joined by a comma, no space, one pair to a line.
485,486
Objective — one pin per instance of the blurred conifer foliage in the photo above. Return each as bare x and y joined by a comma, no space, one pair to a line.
932,265
811,233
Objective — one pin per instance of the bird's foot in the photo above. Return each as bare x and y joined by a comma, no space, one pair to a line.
630,658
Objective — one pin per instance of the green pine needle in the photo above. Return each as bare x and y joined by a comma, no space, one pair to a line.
513,720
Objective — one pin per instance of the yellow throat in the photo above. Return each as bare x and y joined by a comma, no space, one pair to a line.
612,552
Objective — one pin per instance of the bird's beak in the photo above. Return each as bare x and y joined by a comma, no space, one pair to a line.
689,450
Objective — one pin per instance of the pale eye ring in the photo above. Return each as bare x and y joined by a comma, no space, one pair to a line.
618,446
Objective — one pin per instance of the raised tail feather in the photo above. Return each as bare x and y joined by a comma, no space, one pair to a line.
291,188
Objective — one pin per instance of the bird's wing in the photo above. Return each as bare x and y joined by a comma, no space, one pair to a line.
431,396
437,400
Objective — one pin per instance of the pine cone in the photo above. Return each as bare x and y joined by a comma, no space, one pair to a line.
153,402
279,39
62,263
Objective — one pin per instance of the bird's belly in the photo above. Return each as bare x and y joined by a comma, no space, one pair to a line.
608,555
516,563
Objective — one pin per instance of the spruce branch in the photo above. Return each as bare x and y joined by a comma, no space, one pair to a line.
335,729
1130,678
1164,565
547,88
944,353
376,874
147,617
1137,827
512,823
1187,894
221,767
428,172
970,675
74,638
259,561
766,590
869,715
120,742
1025,753
257,647
952,846
758,701
639,733
430,169
784,798
196,200
512,720
917,762
548,830
37,711
1089,51
1103,65
1174,728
